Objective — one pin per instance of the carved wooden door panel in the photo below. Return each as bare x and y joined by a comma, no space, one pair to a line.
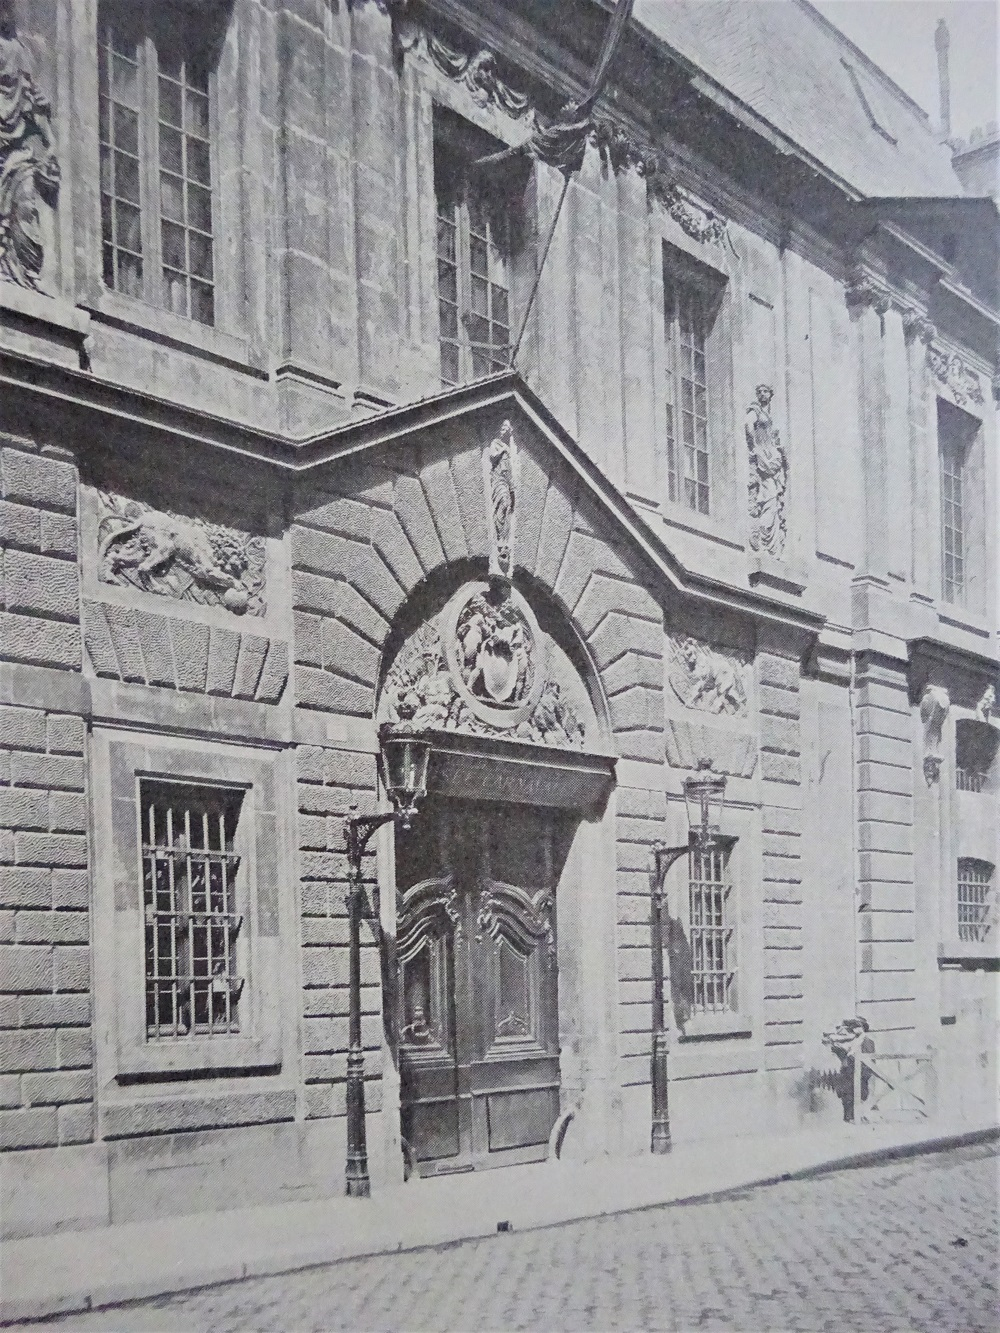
478,1019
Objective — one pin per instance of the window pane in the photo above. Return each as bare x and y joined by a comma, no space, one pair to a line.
196,113
199,208
107,175
172,241
447,282
170,103
500,305
479,292
202,303
129,274
125,81
449,363
127,227
449,320
201,255
198,161
127,178
126,130
172,197
171,150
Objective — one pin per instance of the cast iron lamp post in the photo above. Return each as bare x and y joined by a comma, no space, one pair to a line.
703,796
404,759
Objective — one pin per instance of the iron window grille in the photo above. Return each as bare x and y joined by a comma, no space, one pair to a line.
474,249
156,116
976,745
190,877
689,306
975,900
712,932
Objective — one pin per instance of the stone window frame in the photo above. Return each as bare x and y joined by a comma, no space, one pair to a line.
258,1047
967,440
704,264
459,131
231,339
969,831
740,835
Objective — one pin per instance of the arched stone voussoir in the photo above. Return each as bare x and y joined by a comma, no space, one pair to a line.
603,595
413,512
439,488
467,478
395,548
618,634
533,485
557,524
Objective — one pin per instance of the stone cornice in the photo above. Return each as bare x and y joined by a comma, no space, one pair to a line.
623,149
866,288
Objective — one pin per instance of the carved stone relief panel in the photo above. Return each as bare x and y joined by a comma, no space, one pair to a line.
29,168
706,678
953,375
482,667
179,557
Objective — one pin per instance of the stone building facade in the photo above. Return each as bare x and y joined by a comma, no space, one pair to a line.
263,460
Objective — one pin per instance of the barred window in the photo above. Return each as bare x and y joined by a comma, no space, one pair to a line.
155,95
976,745
975,900
475,242
712,934
689,308
190,875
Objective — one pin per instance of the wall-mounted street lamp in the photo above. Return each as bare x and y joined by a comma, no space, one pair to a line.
704,796
404,766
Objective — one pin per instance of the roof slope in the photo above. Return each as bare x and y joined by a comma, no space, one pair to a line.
793,68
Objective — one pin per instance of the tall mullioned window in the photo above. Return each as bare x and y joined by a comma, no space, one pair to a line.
712,932
475,241
157,219
690,302
190,877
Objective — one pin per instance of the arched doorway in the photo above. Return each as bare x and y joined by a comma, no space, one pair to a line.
516,763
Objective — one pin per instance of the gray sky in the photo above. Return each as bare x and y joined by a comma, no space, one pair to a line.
899,36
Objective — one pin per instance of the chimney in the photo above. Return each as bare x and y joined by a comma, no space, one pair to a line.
942,41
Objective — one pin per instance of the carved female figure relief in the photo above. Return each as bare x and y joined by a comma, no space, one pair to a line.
768,476
500,495
28,166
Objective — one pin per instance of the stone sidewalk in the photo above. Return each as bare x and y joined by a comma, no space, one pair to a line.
86,1269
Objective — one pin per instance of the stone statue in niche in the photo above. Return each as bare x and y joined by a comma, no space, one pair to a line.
706,678
184,558
934,706
29,169
768,476
499,468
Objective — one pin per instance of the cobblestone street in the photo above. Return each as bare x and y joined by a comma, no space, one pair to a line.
911,1245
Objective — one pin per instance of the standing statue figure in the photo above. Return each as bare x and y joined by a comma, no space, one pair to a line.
500,482
28,166
768,476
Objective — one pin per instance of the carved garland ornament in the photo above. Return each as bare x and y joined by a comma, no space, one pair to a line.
705,678
179,557
562,142
768,476
955,375
479,668
29,168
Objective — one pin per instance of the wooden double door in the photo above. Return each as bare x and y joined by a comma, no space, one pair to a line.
477,994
